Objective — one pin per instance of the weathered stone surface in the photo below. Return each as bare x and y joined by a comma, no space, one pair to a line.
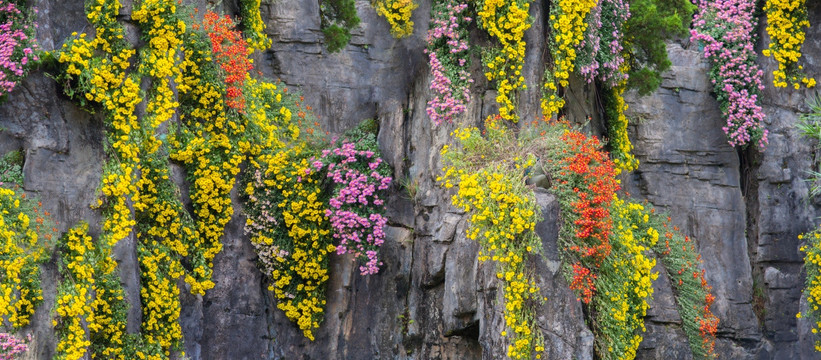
431,299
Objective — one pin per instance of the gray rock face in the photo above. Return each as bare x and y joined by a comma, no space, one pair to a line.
432,299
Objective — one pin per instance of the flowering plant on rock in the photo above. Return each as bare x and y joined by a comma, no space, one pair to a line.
449,60
360,179
18,45
726,29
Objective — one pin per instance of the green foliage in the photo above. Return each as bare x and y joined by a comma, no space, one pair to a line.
338,18
809,124
11,168
652,22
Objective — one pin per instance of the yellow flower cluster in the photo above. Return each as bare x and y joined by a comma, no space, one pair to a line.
89,294
620,145
269,125
75,297
164,28
786,24
567,22
207,144
507,21
108,31
162,242
398,14
503,214
812,290
21,251
160,295
624,283
301,273
254,26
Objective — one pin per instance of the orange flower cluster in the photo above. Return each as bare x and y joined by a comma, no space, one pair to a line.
679,252
586,178
231,52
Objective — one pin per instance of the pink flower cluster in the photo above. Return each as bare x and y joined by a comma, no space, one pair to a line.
11,346
726,28
447,55
16,46
600,54
355,209
614,14
588,49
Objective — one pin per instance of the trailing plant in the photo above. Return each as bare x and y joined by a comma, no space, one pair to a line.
18,46
506,21
726,30
231,54
502,217
289,229
11,347
338,19
683,266
619,143
82,310
812,289
449,60
26,238
398,14
568,27
356,206
253,26
585,184
786,25
610,59
624,283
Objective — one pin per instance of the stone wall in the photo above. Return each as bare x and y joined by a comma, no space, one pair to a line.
433,300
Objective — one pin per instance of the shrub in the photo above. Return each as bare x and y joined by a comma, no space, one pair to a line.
338,18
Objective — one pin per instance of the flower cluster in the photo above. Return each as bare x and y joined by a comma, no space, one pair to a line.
75,297
17,45
231,53
568,25
506,21
585,184
289,229
624,284
91,312
163,28
604,243
11,347
812,290
355,208
448,59
502,218
398,14
726,28
620,146
682,262
164,235
253,25
786,25
610,59
24,239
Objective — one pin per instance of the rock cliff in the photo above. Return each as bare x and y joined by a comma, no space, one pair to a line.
433,299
